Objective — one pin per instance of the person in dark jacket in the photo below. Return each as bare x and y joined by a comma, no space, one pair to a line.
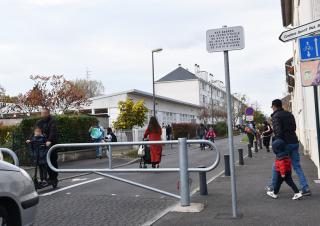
49,129
168,132
266,135
201,132
111,136
284,128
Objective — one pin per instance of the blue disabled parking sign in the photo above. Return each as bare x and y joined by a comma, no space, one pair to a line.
309,48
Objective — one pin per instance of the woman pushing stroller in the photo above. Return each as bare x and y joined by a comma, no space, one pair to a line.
154,133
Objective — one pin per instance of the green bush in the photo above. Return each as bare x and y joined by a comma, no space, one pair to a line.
188,130
221,129
71,129
6,136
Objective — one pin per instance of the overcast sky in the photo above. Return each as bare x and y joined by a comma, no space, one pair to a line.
114,40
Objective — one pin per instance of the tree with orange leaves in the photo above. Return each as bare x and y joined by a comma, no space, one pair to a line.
52,92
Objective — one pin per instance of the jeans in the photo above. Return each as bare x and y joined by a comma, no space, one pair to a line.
98,148
295,159
288,180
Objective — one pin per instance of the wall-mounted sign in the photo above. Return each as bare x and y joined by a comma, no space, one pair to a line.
310,73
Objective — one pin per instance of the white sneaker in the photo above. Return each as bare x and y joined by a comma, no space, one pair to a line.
272,195
297,196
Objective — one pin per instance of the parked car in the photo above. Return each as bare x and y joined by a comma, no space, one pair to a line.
18,198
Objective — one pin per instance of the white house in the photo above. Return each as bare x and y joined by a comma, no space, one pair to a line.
294,14
168,110
198,88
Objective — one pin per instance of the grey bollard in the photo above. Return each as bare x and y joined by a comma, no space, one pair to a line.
260,144
241,161
226,165
255,146
249,151
203,182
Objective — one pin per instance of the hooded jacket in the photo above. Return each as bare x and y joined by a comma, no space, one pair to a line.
284,126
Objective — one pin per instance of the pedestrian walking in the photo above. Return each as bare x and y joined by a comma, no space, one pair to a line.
266,135
250,131
97,135
201,133
111,137
49,129
283,170
154,132
168,132
284,127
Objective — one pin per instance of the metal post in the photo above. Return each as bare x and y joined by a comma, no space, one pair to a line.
255,146
316,105
249,151
153,89
203,182
260,143
184,174
241,161
110,157
227,165
230,135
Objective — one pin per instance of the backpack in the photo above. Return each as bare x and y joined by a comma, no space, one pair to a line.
96,133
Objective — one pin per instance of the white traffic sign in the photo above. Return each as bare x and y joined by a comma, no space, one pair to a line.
225,39
249,118
300,31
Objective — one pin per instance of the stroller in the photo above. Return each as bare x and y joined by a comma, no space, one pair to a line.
39,155
146,158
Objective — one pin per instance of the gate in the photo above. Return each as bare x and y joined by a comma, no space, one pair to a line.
183,165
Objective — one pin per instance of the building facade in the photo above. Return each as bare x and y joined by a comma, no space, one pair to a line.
168,110
294,14
198,88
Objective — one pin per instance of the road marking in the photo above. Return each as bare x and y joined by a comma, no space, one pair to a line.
79,179
71,186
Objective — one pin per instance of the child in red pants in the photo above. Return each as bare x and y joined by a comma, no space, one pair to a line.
283,168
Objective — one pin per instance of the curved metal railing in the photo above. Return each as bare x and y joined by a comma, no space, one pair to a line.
12,154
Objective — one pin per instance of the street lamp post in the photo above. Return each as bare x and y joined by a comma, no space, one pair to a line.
153,88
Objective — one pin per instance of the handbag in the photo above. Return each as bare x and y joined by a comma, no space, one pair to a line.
141,151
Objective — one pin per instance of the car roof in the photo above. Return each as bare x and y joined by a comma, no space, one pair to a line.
8,167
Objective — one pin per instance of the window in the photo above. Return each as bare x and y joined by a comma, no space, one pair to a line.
203,86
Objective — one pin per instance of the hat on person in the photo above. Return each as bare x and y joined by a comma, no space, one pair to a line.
279,148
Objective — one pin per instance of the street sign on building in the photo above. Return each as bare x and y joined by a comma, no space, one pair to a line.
310,73
309,48
225,39
300,31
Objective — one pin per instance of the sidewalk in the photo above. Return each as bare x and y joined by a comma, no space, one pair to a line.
254,205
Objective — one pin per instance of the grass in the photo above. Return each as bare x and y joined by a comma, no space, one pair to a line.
245,139
132,154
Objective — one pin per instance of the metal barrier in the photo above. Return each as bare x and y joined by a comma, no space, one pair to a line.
183,165
12,154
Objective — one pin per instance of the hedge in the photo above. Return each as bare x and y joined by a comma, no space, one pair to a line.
71,129
188,130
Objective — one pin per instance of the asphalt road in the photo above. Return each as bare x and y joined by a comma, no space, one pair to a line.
95,200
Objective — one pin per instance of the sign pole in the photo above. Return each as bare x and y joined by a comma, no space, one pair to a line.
230,135
316,104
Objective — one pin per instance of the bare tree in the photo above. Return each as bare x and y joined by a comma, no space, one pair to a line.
91,88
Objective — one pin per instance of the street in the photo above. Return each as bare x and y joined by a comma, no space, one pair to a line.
95,200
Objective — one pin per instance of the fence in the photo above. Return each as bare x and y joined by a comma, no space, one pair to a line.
183,165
